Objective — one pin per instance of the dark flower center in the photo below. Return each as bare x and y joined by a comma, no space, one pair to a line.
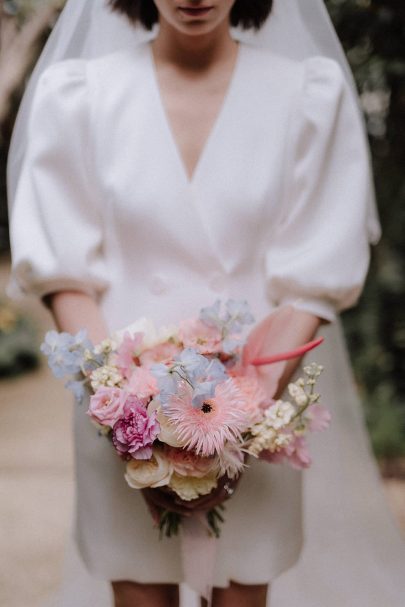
206,408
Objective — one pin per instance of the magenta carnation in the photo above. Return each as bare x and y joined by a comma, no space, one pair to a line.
134,434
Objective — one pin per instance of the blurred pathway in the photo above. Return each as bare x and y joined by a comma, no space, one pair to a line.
36,483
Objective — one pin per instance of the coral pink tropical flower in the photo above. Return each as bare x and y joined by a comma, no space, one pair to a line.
201,337
206,429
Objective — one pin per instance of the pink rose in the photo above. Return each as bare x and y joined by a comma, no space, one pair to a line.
107,405
135,432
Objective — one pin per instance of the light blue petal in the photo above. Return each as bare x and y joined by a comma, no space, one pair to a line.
202,392
216,371
78,389
211,315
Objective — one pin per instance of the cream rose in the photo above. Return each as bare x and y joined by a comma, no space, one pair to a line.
167,432
155,472
190,487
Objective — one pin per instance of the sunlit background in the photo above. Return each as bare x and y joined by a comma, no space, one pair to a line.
35,450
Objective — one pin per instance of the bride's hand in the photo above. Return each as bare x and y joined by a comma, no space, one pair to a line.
284,329
166,499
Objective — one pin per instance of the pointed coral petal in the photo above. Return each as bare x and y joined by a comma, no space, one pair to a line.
268,360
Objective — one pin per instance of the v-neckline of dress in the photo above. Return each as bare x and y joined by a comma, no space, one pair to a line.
215,126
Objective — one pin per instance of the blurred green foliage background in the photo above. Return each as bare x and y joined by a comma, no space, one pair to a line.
373,35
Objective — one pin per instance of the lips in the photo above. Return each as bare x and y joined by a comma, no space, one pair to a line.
191,11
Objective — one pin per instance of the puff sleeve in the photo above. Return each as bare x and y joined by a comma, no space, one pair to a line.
318,257
55,224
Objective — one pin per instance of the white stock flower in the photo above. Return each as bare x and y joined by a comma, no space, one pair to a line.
106,346
267,439
298,394
280,414
191,487
313,370
264,438
155,472
107,376
272,434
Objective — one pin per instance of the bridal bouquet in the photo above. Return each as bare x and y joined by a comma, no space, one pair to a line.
181,409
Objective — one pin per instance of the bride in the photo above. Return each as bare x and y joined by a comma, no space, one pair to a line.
185,166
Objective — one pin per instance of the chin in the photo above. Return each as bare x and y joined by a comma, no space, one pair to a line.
197,28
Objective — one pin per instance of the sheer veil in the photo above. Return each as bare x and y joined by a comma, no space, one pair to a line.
353,555
89,29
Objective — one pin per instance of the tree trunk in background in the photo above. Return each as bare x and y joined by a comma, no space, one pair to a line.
18,50
22,35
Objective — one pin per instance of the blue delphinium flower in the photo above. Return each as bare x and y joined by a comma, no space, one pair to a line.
231,344
201,373
211,315
230,323
81,341
78,389
193,364
166,381
66,352
215,371
52,342
237,315
204,387
202,392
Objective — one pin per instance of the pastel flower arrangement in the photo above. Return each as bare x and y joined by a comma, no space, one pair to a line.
181,406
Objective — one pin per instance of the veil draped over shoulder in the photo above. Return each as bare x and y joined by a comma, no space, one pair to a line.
353,555
90,29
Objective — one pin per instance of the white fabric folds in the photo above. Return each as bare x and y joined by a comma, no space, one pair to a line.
279,210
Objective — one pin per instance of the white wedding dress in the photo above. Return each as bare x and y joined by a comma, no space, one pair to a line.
275,212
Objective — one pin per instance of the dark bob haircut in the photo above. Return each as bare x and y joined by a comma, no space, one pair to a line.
244,13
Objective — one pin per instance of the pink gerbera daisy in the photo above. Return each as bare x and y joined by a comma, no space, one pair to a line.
219,419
